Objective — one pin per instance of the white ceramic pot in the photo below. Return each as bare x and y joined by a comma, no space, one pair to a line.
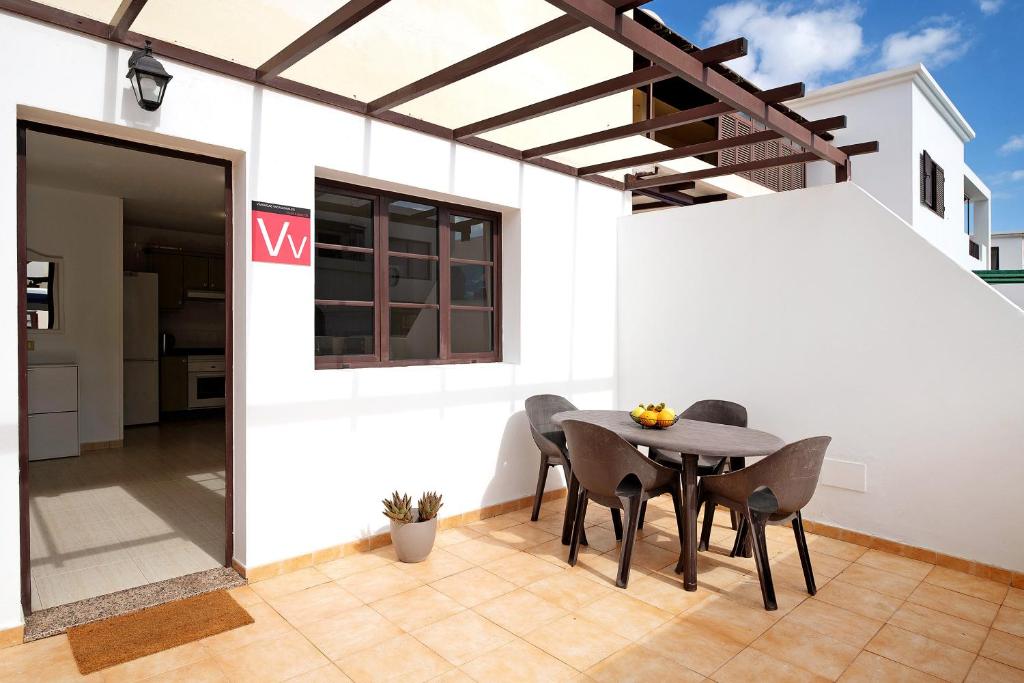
413,541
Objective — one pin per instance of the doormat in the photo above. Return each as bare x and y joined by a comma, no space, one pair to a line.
102,644
55,620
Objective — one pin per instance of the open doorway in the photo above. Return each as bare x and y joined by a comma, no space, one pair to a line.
125,364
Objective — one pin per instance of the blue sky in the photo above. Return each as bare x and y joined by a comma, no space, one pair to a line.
972,47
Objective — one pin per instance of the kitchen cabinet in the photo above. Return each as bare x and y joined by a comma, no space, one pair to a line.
196,272
184,273
217,273
170,269
173,384
52,411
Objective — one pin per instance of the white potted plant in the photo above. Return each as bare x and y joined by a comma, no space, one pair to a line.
413,529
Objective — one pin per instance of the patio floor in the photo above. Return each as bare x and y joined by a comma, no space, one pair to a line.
497,602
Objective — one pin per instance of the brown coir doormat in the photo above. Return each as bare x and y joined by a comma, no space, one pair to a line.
122,639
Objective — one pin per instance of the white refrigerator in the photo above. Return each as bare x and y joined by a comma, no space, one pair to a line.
141,349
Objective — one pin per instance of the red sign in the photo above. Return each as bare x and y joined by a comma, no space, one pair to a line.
280,234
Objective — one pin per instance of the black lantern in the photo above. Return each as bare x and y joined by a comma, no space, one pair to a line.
148,77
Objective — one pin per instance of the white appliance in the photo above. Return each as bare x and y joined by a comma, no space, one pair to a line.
52,411
141,349
205,381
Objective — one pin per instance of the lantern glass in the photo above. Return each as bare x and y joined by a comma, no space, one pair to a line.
148,79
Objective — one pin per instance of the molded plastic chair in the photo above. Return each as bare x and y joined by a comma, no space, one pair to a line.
774,490
718,412
551,441
615,474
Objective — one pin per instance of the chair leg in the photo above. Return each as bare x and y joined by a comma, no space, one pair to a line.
805,556
733,519
617,524
643,513
709,519
677,503
577,526
573,486
631,506
538,497
741,532
764,572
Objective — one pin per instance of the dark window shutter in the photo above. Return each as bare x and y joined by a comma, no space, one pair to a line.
926,180
940,191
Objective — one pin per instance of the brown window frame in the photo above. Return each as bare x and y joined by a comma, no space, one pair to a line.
933,184
381,304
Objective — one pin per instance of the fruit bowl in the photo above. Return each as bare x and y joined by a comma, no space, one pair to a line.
660,424
654,416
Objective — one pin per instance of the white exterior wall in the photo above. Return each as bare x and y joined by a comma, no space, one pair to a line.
1011,250
1014,292
819,330
316,450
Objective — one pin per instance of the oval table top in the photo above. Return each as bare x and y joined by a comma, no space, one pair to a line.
686,436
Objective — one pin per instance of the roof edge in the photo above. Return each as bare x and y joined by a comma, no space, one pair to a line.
917,74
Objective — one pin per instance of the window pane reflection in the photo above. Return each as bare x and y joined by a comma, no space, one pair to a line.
344,275
343,330
414,333
471,285
412,228
412,280
471,238
343,220
472,331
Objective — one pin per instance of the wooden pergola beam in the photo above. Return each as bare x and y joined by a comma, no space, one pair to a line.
122,20
723,52
682,152
670,198
643,41
827,124
731,169
339,21
783,93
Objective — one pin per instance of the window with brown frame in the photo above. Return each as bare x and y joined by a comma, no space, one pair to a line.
933,185
403,280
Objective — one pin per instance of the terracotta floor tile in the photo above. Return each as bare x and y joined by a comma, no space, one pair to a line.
714,573
452,676
520,611
637,664
523,568
1014,598
522,536
823,565
438,565
624,615
403,658
576,641
739,622
267,623
967,584
941,627
497,523
921,653
516,662
462,637
870,668
1010,620
277,658
474,586
551,524
325,674
835,547
245,596
554,552
878,580
318,602
843,625
157,663
480,550
1004,648
904,566
602,568
454,535
748,593
859,600
693,645
204,671
951,602
379,583
651,556
353,564
807,648
289,583
665,539
988,671
601,539
569,590
753,665
417,608
27,657
349,632
666,592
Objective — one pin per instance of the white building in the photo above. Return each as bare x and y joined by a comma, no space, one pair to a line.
919,172
1007,251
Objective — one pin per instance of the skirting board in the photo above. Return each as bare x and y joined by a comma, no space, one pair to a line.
12,636
99,445
268,571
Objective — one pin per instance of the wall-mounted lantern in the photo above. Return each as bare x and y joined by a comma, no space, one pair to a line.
148,77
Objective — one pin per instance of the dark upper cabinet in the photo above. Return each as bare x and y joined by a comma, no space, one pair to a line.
169,269
217,273
183,273
196,271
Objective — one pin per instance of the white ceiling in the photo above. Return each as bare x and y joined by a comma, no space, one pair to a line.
158,191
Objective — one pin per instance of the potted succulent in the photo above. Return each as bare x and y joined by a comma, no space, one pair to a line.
413,529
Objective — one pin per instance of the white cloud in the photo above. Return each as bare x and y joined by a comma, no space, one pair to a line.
1014,144
1016,176
934,46
990,6
787,44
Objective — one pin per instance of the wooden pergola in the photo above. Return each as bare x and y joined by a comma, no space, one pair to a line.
701,68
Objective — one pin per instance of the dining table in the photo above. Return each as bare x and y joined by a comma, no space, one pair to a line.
691,439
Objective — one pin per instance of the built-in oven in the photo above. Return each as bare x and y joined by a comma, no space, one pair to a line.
205,382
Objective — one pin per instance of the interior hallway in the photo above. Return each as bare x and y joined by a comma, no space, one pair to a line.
114,519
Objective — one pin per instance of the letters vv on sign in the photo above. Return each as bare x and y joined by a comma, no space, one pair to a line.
280,234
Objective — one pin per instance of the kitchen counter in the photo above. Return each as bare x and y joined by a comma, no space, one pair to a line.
195,351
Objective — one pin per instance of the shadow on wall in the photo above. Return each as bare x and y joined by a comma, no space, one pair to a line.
516,465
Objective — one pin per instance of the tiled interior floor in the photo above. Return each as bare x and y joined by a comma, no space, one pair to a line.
119,518
496,602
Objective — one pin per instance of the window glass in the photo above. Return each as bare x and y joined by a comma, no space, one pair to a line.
471,238
344,330
412,280
344,220
472,331
471,285
344,275
412,228
414,333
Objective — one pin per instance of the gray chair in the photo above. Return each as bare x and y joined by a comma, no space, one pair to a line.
772,490
615,474
718,412
550,439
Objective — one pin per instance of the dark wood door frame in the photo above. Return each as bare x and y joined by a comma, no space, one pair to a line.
23,127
